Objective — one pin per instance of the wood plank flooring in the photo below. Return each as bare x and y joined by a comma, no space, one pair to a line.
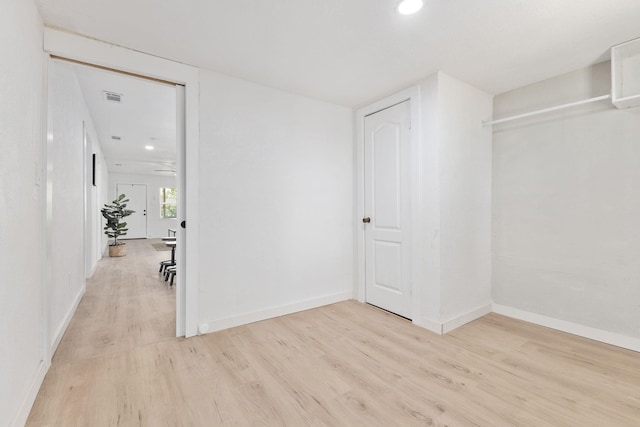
346,364
126,305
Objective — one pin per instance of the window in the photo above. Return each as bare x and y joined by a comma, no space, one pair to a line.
167,202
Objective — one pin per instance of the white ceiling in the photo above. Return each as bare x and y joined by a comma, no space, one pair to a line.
353,51
146,116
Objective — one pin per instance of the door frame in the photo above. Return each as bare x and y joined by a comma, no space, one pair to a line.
412,95
93,52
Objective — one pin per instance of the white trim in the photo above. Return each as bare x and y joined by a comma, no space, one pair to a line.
283,310
103,54
359,226
432,325
57,337
612,338
20,419
182,190
412,95
47,208
456,322
88,255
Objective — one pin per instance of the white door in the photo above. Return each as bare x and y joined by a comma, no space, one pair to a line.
387,209
136,222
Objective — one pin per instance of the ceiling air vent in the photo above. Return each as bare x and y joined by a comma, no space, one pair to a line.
116,138
112,97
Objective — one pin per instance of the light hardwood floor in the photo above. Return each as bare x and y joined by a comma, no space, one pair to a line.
346,364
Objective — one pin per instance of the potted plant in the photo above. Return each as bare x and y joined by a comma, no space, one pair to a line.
115,227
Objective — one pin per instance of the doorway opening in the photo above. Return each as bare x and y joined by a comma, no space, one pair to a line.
387,208
131,137
387,214
76,48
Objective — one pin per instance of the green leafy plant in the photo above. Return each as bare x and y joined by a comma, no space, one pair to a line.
114,213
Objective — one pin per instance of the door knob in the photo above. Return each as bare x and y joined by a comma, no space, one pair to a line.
366,220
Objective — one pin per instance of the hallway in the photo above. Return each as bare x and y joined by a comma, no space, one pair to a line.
127,306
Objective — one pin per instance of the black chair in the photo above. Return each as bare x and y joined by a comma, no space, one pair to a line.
170,262
170,272
166,264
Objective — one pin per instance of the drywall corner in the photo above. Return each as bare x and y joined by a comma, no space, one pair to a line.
465,318
429,203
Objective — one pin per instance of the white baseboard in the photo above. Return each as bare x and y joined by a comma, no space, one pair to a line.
431,325
94,267
612,338
20,418
451,324
67,319
256,316
456,322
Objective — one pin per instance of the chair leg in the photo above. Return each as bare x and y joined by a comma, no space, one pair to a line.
168,272
165,264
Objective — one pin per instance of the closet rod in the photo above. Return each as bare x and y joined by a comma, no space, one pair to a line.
547,110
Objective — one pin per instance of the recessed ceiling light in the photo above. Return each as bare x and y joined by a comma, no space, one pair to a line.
408,7
148,147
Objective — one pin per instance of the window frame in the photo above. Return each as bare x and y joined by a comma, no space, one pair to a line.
164,202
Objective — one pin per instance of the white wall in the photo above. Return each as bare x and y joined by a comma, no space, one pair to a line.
96,197
455,202
21,203
276,199
66,157
566,210
465,198
156,226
